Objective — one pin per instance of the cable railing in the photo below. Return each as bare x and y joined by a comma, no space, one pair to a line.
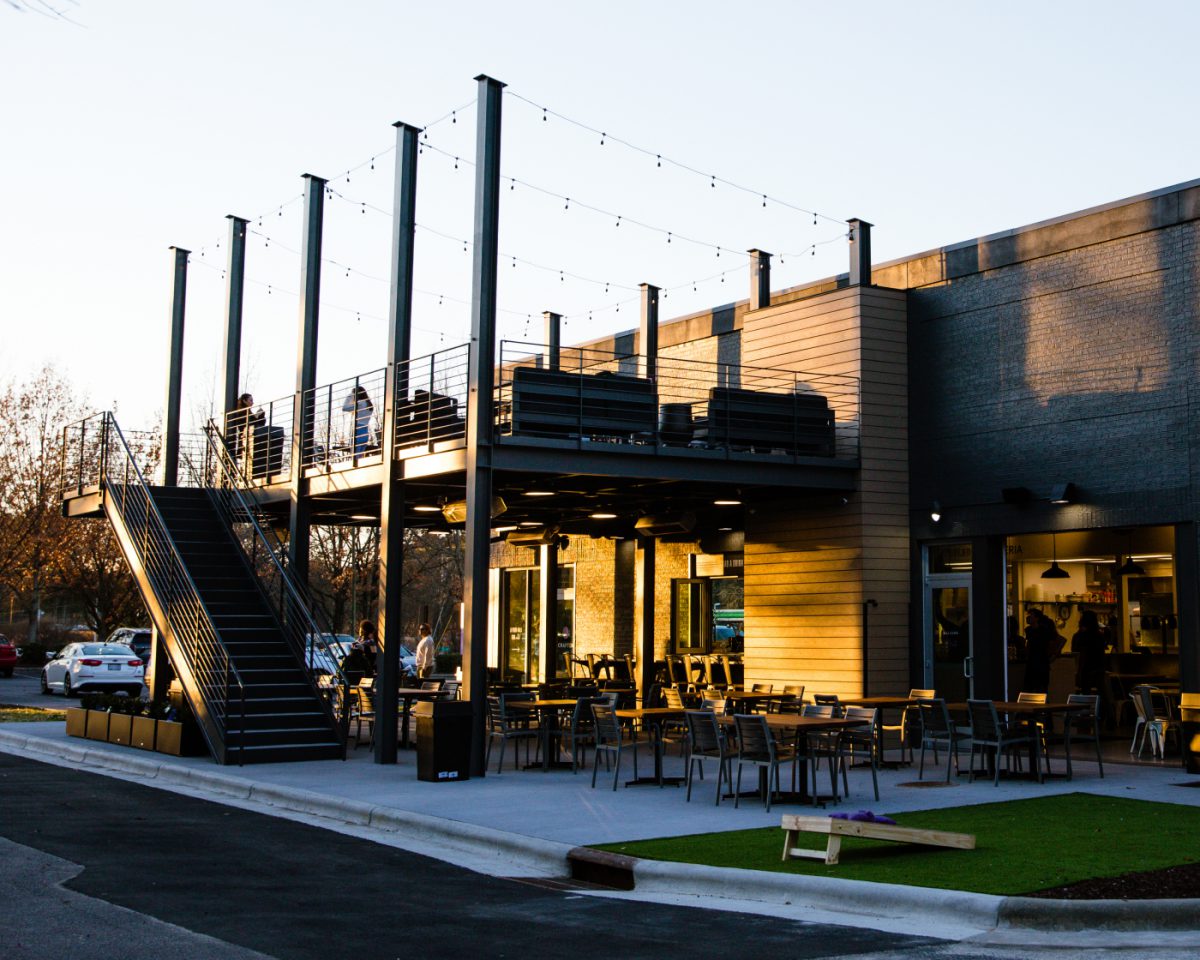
591,396
431,400
264,552
341,420
214,678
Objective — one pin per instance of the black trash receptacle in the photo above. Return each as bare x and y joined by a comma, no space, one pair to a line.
443,740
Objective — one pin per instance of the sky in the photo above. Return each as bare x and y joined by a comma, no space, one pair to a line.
683,134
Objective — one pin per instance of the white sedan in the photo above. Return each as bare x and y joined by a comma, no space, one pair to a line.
80,667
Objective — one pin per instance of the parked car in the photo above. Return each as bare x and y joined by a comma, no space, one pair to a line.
78,667
332,649
8,656
136,638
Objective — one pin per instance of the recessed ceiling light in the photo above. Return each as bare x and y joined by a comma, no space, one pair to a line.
603,516
724,529
503,529
427,508
361,516
727,503
539,493
529,523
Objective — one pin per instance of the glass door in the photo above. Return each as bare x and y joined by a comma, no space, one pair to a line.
949,653
521,611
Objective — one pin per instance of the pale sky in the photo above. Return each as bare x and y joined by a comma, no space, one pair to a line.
142,124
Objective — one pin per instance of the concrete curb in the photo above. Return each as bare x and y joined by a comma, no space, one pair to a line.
830,894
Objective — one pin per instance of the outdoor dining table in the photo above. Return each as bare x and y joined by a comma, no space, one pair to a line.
753,697
655,717
549,711
783,725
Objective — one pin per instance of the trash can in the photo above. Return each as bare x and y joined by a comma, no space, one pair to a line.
443,739
1189,731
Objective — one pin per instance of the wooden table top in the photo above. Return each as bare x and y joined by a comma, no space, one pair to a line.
791,721
540,704
1020,707
639,713
753,695
880,702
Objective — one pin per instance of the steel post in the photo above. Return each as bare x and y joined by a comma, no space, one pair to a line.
760,279
645,616
552,338
391,524
169,473
860,252
648,331
300,511
481,379
235,282
548,623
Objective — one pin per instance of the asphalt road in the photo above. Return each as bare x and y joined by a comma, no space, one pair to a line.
290,890
24,689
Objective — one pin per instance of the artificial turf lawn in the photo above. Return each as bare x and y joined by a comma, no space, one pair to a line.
1021,846
14,714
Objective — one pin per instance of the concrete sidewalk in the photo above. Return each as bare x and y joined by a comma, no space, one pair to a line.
526,822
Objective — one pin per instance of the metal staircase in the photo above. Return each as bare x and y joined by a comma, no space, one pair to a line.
237,629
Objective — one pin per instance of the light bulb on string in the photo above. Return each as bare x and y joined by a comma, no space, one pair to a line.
713,184
544,118
668,236
764,200
567,204
453,117
618,221
372,163
602,136
659,158
456,163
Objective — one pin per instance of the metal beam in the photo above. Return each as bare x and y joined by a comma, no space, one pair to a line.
481,378
306,370
860,252
169,473
648,332
391,501
235,282
645,616
552,338
760,279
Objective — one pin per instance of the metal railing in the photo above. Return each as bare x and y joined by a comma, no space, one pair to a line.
590,395
261,439
266,558
431,399
215,680
341,420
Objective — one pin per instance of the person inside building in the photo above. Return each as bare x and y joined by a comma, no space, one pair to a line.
425,651
1042,645
1091,645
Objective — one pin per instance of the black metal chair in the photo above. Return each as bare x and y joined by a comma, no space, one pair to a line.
706,741
989,731
866,737
757,748
1083,727
506,723
936,729
609,738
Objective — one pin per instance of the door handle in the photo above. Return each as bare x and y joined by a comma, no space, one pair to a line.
969,667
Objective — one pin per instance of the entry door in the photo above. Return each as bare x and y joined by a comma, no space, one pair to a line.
522,607
949,653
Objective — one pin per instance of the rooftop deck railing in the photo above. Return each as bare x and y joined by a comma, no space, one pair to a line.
581,396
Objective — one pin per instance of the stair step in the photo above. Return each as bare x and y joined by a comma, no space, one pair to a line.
292,753
278,736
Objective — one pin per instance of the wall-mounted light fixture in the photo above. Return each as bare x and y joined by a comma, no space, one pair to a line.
1054,571
935,513
1063,493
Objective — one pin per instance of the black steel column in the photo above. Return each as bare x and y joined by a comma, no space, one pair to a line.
481,379
306,371
158,679
760,279
170,428
1187,574
391,502
235,282
648,331
552,338
645,624
548,624
860,251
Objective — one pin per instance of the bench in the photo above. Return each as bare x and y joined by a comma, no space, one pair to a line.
836,829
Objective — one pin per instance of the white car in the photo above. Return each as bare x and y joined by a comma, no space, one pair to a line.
80,667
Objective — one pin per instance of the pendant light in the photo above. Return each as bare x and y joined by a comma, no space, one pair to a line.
1130,568
1054,571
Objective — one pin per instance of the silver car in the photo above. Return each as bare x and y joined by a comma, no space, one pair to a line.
79,667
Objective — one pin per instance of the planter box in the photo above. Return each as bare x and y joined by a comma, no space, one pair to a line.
168,737
120,729
97,725
76,722
142,732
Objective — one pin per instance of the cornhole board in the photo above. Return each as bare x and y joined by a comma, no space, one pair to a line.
836,829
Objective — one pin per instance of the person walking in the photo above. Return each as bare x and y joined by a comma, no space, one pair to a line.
425,656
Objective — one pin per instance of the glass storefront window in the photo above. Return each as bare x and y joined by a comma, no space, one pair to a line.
949,558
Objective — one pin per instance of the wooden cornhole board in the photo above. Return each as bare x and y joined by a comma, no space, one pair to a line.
836,829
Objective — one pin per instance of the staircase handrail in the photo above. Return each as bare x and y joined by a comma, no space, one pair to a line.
228,478
200,653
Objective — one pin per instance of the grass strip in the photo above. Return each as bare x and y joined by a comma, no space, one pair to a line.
1022,846
10,713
